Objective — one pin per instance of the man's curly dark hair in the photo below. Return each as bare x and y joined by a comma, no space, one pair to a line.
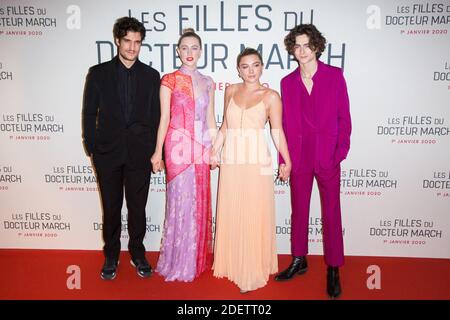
316,40
125,24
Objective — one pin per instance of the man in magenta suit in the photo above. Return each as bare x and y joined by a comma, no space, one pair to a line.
317,124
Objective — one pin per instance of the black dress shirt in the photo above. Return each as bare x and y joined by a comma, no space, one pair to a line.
127,88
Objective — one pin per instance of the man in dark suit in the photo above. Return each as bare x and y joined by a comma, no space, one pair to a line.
121,115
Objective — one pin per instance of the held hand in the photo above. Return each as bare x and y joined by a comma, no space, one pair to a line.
214,160
287,170
214,163
284,171
281,171
156,161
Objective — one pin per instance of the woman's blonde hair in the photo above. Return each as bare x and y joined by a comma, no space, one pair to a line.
189,32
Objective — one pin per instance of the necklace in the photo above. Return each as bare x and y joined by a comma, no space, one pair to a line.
304,76
307,76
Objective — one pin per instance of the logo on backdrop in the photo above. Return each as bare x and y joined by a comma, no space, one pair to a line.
315,229
414,19
30,126
438,183
151,228
232,18
9,177
414,129
366,182
158,182
72,178
5,74
37,224
23,20
281,187
443,75
406,231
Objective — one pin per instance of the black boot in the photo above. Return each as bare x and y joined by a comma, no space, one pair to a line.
143,268
297,266
109,269
333,284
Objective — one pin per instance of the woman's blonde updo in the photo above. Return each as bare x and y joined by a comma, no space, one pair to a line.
189,32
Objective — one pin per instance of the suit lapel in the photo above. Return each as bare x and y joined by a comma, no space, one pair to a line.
296,106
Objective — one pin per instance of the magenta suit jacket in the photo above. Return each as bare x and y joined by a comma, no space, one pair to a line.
333,115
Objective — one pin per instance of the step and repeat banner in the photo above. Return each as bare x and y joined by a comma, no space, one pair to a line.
395,55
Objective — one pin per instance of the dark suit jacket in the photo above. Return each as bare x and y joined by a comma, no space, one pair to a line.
106,134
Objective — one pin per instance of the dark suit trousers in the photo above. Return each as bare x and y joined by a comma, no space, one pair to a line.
113,181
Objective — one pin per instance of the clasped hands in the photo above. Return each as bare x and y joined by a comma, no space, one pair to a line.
157,162
284,171
214,159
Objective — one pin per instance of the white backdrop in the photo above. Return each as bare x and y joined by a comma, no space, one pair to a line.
395,55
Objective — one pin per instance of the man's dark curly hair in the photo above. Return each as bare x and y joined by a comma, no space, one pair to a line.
316,40
125,24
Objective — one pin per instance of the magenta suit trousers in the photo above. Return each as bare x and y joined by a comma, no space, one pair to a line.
328,181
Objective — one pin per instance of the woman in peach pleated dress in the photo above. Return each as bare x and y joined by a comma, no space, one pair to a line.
245,245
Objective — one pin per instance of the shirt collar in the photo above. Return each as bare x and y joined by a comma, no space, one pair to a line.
316,75
122,67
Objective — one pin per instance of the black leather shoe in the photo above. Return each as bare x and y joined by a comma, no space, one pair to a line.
143,268
333,284
109,269
297,266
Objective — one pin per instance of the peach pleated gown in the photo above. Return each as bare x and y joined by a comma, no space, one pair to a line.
245,244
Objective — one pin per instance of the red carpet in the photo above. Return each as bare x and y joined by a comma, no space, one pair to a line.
42,274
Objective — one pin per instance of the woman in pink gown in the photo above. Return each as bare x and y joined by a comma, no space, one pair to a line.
186,130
